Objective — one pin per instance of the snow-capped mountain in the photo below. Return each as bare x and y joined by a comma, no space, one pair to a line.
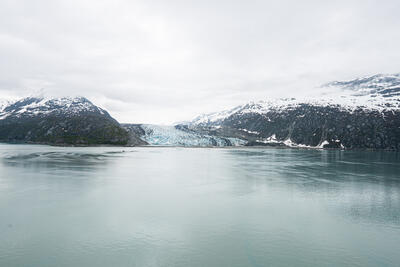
379,92
67,120
361,113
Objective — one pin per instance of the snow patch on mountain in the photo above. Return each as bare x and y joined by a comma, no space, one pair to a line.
290,143
250,132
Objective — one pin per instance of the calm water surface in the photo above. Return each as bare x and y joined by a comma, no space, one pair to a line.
198,207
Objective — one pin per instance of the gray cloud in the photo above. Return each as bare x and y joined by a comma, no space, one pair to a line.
163,61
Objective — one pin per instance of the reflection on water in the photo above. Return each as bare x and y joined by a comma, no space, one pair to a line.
198,207
58,158
42,158
368,183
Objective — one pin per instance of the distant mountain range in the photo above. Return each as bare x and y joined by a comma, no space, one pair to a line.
362,113
358,114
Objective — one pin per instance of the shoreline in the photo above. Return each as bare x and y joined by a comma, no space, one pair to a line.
208,147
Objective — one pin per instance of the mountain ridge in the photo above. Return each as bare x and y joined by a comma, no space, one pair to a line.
361,113
378,92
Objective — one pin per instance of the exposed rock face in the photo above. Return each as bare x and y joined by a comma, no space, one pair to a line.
135,134
363,113
59,121
312,126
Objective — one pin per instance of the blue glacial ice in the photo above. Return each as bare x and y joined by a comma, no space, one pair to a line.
170,136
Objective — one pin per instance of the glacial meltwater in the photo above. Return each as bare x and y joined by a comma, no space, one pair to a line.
155,206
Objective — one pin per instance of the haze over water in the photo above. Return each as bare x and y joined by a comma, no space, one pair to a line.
108,206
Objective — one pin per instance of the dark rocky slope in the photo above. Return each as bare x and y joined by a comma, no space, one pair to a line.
136,134
314,126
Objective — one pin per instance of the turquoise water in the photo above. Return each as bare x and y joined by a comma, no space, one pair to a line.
198,207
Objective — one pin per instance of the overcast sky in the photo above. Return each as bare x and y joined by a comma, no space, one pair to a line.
164,61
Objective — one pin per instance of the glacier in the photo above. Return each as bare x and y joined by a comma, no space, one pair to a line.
160,135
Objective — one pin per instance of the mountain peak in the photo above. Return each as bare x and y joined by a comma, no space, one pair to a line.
379,83
41,105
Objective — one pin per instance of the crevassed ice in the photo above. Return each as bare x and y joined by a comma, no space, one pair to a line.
170,136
